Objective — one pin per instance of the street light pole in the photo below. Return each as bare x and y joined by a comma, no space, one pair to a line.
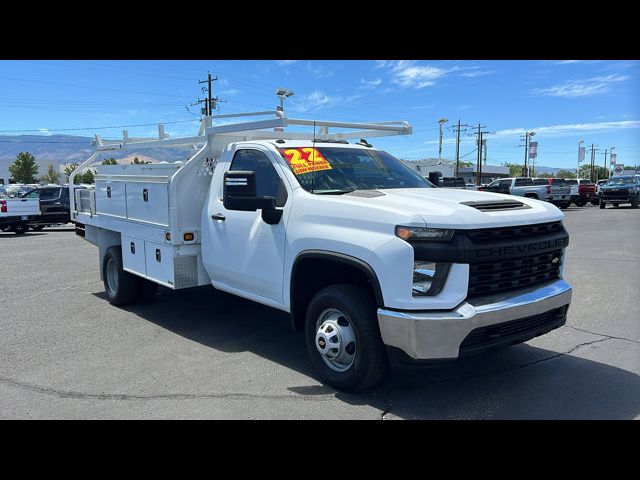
441,122
578,169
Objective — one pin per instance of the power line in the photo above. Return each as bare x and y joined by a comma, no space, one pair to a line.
40,130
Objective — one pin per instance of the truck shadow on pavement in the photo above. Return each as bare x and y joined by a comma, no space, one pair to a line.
520,382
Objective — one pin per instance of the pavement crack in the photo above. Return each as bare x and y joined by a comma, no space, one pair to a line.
39,294
163,396
603,334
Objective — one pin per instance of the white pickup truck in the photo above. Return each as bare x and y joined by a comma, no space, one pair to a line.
17,213
375,265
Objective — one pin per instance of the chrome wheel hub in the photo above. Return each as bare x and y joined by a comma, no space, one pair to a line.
335,340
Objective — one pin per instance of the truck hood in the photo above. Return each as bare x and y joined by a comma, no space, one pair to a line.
444,208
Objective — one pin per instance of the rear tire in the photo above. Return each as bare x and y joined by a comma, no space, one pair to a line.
347,315
602,205
121,287
19,229
580,203
616,205
634,202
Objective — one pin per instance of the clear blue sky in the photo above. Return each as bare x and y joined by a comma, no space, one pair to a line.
563,101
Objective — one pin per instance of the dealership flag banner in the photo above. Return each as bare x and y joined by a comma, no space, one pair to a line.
581,154
533,149
613,159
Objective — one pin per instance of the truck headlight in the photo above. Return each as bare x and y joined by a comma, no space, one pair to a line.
429,278
424,234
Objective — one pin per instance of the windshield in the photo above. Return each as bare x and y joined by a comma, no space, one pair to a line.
335,170
621,181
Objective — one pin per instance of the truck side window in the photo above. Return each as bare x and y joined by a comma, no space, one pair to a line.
50,194
521,182
268,183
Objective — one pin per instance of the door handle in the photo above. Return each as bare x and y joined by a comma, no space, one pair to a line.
57,203
218,216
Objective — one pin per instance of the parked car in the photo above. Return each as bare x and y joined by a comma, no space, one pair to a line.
583,191
17,213
540,189
453,182
599,184
54,205
621,189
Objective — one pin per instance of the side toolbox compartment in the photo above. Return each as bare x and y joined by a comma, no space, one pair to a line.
111,198
133,255
159,260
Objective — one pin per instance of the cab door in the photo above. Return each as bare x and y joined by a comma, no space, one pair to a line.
241,251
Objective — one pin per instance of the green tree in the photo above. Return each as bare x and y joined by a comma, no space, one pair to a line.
52,175
137,161
68,170
110,161
562,173
24,169
515,169
600,172
87,177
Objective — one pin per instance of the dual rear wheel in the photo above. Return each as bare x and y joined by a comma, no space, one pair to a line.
124,288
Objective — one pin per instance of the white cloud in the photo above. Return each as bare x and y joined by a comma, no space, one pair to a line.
318,71
230,92
570,129
582,88
373,83
409,75
284,63
45,131
464,107
476,73
318,100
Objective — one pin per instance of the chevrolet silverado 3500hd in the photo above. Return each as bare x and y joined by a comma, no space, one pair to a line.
370,261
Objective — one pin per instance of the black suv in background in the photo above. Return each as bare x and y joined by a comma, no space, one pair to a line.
621,189
54,205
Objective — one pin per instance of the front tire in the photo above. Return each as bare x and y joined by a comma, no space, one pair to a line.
634,202
602,205
343,338
121,287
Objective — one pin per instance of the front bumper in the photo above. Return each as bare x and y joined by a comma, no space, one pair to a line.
438,334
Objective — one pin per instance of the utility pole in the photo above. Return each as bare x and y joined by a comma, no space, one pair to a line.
210,102
526,136
457,129
593,163
605,158
441,122
479,156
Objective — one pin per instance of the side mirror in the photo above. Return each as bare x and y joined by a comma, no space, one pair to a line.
240,194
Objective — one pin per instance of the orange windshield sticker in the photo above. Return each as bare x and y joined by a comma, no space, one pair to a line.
305,160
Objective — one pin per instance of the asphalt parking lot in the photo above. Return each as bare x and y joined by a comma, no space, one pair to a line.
66,353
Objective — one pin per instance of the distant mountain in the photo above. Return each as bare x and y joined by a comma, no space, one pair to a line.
545,169
64,149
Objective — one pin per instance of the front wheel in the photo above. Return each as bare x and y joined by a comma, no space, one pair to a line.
634,202
602,205
343,338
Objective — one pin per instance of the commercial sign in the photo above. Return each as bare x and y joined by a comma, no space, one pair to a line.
618,169
533,149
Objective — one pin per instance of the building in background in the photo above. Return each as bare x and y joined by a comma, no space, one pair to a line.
447,168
